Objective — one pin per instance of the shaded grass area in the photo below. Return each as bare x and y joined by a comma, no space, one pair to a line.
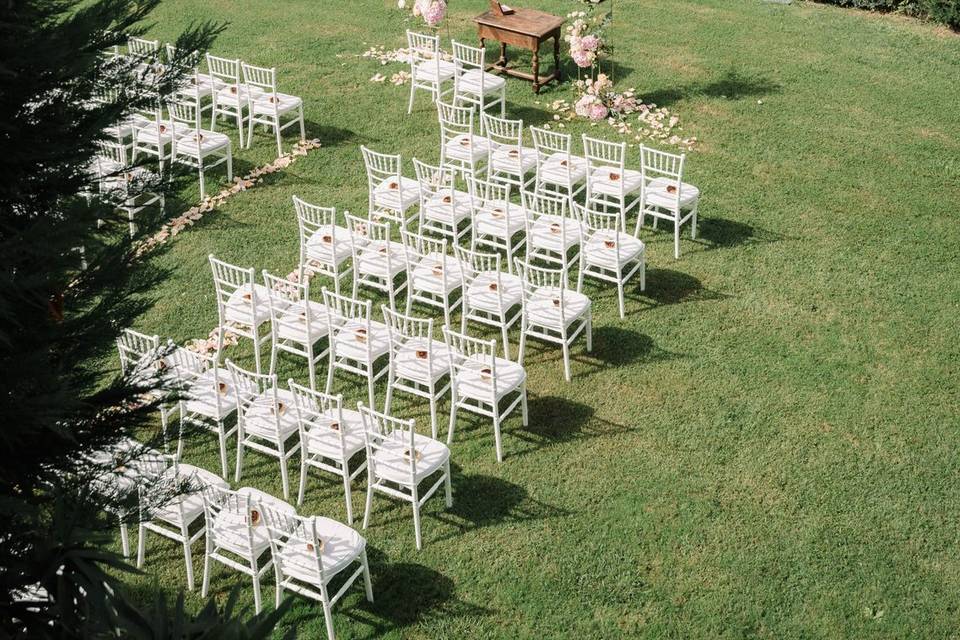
766,446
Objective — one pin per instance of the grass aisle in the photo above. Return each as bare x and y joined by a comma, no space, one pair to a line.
766,446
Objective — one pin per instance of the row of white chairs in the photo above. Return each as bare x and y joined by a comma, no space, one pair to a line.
549,167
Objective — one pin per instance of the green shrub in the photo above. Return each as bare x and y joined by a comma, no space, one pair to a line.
945,11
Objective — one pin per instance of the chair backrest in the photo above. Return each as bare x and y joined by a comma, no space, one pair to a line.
317,411
605,223
112,151
467,58
142,47
136,348
475,263
224,69
381,167
263,78
472,361
384,432
227,279
417,246
504,133
433,181
282,294
186,113
257,392
663,165
240,511
296,549
192,363
377,235
424,50
490,197
603,153
537,205
550,143
454,121
342,309
541,284
311,219
403,328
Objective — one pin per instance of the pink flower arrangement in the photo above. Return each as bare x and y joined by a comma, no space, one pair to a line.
432,11
585,37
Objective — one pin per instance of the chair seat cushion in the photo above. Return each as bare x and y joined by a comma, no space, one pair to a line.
240,306
396,195
190,504
349,342
329,244
448,208
259,419
601,249
324,440
422,360
268,104
154,135
372,259
213,394
554,233
471,81
610,181
485,294
209,141
657,194
230,528
513,160
339,546
544,307
499,219
434,71
475,379
392,459
554,170
292,322
436,273
466,148
236,95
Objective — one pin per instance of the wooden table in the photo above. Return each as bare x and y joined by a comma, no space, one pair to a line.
528,29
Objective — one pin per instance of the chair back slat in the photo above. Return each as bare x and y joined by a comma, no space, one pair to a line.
317,411
472,358
383,432
224,69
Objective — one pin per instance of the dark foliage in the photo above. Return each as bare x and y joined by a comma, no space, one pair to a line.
59,403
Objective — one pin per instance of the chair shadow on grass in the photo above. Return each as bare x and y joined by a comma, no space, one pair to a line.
732,85
667,287
720,233
555,420
404,594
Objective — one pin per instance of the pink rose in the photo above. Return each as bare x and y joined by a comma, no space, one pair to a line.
435,12
590,43
598,112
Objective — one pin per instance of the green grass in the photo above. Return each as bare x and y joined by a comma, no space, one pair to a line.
766,446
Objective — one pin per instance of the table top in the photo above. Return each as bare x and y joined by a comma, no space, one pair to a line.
526,21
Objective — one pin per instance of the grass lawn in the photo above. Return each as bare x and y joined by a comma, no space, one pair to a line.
766,446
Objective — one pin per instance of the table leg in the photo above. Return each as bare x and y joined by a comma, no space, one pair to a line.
503,55
536,71
556,55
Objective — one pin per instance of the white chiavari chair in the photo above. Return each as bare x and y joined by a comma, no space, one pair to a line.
484,384
497,223
378,261
198,85
153,136
309,552
399,460
324,245
142,359
609,254
210,398
266,420
554,235
268,107
330,437
131,189
460,148
356,341
610,185
472,84
433,276
559,172
428,69
232,99
172,505
443,207
490,296
242,305
237,535
193,145
507,159
143,48
418,363
390,194
665,195
297,323
552,312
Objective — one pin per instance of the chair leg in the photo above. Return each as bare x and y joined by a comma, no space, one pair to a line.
256,348
141,545
566,359
203,189
505,333
333,360
433,414
229,162
206,564
367,583
279,141
303,477
311,367
222,436
453,417
390,379
273,352
676,238
257,600
620,297
416,518
283,471
523,342
643,273
303,128
125,540
347,491
371,390
239,469
369,502
693,222
447,487
413,89
523,404
327,614
590,330
187,555
496,433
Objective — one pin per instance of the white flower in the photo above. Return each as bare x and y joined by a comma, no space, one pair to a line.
401,4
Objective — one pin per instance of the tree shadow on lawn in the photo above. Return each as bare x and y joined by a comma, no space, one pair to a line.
732,85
